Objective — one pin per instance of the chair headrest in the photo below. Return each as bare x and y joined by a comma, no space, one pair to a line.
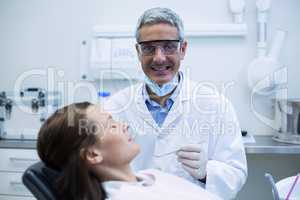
40,180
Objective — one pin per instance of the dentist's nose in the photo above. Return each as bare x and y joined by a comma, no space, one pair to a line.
159,56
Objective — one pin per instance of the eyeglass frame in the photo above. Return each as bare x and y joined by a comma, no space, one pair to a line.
162,49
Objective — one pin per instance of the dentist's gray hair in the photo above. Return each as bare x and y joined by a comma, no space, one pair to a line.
160,15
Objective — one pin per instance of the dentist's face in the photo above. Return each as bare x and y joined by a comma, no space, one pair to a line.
162,64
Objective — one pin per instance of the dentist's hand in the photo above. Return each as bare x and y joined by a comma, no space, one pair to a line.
193,159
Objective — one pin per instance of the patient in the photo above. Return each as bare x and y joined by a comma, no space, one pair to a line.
93,154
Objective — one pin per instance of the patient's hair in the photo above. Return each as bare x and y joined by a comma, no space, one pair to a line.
59,146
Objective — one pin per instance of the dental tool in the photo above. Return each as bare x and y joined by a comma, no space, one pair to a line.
166,154
274,188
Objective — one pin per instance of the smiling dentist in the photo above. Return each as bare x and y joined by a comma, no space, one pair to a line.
183,127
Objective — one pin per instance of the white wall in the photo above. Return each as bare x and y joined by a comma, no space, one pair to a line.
36,34
289,19
39,34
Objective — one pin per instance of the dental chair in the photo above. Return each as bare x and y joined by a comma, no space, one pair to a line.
39,179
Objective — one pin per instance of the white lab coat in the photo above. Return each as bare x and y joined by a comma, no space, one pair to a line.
198,115
156,185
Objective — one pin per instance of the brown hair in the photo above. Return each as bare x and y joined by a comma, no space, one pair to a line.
59,143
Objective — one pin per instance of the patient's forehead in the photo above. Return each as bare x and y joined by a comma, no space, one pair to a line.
96,113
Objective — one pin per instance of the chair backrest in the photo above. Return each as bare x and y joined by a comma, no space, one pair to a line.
39,179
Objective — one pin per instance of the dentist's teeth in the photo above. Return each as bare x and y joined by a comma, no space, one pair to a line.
160,69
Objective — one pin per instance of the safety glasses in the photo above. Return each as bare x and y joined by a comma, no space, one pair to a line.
167,47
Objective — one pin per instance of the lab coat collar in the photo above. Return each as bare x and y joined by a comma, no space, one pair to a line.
182,94
176,110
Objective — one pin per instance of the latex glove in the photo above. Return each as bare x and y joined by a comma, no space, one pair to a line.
193,159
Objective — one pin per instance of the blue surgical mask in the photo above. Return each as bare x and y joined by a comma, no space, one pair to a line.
164,89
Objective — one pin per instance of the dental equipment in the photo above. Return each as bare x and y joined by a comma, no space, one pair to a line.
237,8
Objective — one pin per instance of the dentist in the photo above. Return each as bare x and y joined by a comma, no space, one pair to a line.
183,127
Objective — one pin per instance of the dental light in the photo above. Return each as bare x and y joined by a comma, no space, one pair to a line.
261,71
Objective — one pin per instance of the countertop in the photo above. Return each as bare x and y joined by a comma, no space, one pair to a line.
17,144
266,145
263,145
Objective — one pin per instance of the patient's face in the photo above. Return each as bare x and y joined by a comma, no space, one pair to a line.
115,144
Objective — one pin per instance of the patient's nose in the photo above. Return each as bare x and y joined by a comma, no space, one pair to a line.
125,127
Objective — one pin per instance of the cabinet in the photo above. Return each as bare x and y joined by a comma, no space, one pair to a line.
13,164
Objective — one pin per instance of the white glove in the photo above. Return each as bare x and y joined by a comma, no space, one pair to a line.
193,159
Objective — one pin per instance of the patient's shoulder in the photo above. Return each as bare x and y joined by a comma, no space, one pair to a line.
162,178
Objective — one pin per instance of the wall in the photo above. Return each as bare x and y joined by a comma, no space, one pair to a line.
40,34
36,34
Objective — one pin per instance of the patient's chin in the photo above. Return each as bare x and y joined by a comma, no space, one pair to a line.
135,150
138,149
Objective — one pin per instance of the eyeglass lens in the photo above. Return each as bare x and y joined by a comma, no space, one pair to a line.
167,47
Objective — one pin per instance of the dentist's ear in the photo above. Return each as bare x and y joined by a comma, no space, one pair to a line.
92,155
138,52
183,49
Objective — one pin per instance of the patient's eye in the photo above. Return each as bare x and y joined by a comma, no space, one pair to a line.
113,126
